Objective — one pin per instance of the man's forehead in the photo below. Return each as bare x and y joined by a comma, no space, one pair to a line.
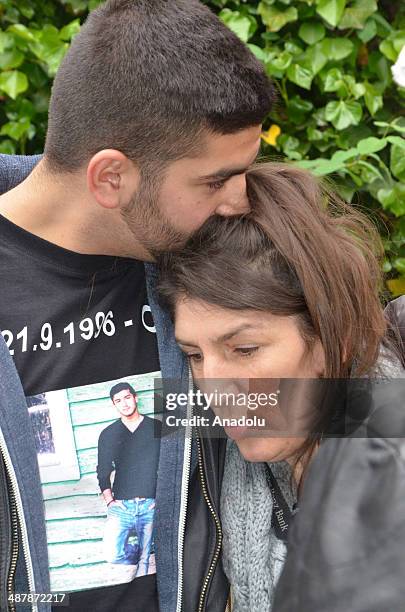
122,393
230,156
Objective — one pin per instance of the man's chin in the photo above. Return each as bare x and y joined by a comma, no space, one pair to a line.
171,246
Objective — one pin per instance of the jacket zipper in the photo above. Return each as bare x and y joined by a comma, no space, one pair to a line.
14,548
184,497
17,520
218,528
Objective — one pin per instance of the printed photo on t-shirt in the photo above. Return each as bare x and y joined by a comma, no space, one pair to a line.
98,452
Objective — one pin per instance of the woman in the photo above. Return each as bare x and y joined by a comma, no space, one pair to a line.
290,291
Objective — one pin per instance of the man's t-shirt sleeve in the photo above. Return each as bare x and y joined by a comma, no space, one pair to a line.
105,461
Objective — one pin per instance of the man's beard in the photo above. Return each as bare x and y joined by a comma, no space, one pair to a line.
147,224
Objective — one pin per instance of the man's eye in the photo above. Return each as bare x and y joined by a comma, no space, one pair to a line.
247,351
217,185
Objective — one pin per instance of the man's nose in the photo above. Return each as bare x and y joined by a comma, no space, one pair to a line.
234,200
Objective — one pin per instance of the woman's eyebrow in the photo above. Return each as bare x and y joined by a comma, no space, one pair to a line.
184,342
237,330
224,337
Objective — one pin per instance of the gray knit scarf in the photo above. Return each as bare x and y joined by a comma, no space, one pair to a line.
253,557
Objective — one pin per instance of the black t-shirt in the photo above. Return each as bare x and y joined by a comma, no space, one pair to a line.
76,325
121,448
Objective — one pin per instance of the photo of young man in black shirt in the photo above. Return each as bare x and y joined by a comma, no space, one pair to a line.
129,447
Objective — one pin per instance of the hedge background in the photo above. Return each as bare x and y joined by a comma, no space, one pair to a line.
339,112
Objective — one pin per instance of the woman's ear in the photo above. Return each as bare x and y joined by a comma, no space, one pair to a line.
318,359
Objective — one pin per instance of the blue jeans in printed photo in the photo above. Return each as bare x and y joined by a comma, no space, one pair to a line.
128,533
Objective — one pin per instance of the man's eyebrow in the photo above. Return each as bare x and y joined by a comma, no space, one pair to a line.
224,174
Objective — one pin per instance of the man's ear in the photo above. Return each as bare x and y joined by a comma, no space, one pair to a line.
112,178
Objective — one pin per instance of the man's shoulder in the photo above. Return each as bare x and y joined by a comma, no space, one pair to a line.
151,423
15,168
110,429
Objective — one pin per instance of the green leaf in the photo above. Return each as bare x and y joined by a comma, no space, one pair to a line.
399,264
16,129
7,147
368,172
298,109
397,141
392,45
331,10
350,137
314,59
313,134
386,267
356,15
21,31
321,167
371,145
394,125
311,32
293,48
274,19
13,83
368,32
242,25
7,41
337,48
387,48
277,65
341,156
383,27
357,89
333,80
373,100
258,52
342,113
11,59
300,76
71,29
393,199
292,147
397,163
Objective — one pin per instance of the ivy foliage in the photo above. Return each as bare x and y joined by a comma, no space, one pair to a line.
339,113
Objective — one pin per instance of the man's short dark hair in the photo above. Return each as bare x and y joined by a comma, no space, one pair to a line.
121,386
147,77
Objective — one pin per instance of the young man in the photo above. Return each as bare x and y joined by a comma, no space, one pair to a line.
154,118
129,447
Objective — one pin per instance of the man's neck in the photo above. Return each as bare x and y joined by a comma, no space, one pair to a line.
61,210
132,423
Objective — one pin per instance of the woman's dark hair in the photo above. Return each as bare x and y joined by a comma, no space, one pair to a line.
301,251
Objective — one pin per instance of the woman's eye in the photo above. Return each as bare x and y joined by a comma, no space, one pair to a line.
196,357
246,351
216,186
